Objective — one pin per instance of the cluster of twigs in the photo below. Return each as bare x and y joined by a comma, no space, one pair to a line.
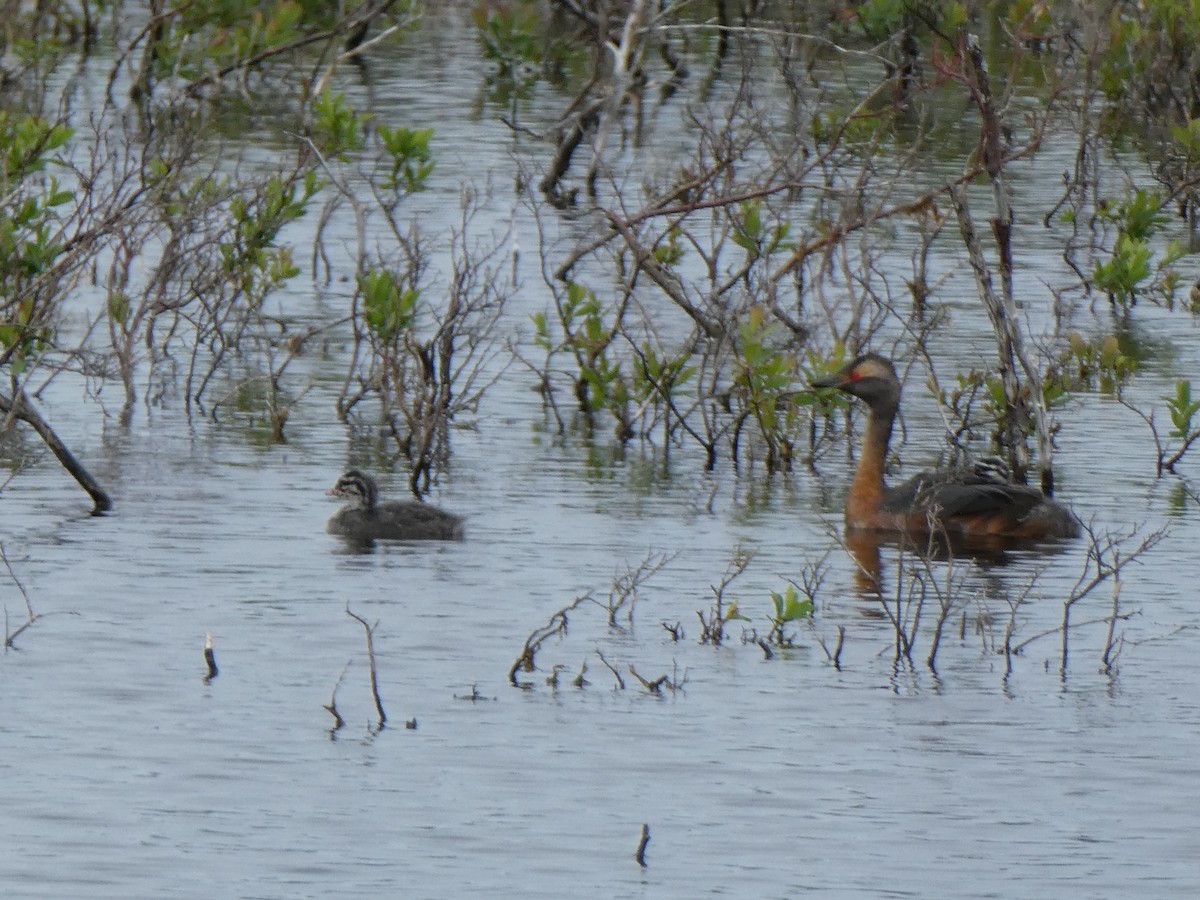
712,627
622,599
938,586
1106,558
373,672
932,595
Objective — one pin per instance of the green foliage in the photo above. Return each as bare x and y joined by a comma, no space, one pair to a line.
1031,18
209,41
526,47
669,251
788,607
265,28
507,35
223,34
1120,63
388,307
411,158
1129,266
752,235
1147,67
240,15
337,129
600,383
119,307
767,377
881,20
29,229
1100,361
766,374
22,336
818,366
655,375
732,614
995,409
602,380
878,18
541,331
1186,142
605,386
27,245
251,257
28,142
1138,218
177,198
1182,409
995,401
861,130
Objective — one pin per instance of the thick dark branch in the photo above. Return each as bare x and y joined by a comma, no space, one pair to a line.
20,408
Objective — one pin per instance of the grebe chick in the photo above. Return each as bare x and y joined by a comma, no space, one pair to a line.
365,518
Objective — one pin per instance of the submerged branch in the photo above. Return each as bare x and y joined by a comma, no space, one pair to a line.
30,615
19,407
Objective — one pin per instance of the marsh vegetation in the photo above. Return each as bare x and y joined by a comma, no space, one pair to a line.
755,193
573,267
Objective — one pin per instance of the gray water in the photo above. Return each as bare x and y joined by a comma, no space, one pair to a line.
127,774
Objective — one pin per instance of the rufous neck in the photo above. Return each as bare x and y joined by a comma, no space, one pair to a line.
868,479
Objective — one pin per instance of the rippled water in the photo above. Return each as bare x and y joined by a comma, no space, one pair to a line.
126,774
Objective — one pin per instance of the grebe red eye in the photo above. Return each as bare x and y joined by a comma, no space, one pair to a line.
855,375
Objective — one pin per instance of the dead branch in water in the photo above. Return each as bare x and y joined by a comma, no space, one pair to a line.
30,615
331,706
19,407
556,625
580,680
210,658
1113,643
370,630
621,597
625,587
612,668
713,629
1014,605
640,856
836,656
1106,558
655,686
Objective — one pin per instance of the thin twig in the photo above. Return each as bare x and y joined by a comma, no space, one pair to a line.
331,706
370,630
30,615
612,668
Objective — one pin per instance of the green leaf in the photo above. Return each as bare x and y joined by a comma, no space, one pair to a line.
388,308
118,307
1182,409
797,609
731,613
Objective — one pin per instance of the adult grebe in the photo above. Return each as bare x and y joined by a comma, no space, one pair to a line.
958,501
